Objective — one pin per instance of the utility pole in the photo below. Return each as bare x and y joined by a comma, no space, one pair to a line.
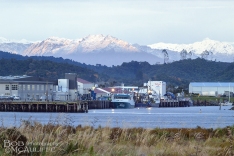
46,90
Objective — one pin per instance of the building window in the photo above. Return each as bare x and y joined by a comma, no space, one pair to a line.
14,87
42,87
24,87
33,87
7,87
38,87
28,87
20,87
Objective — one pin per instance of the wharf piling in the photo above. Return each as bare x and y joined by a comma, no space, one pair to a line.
95,104
24,106
173,103
70,107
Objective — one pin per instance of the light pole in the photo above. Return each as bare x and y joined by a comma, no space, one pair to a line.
67,95
76,94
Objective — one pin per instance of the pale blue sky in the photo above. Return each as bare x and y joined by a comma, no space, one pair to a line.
135,21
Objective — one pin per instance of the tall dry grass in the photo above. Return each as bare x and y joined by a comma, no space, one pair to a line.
72,141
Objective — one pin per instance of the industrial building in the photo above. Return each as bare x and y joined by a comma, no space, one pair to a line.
66,89
26,87
70,88
84,86
33,88
211,88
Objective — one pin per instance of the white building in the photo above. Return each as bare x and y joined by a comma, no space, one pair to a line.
63,85
211,88
84,86
62,90
72,87
156,87
34,88
26,87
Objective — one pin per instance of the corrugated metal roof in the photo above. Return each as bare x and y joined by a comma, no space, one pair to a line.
110,90
212,84
100,90
10,77
83,81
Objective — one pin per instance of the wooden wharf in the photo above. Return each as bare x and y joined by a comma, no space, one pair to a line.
70,106
99,104
174,103
44,106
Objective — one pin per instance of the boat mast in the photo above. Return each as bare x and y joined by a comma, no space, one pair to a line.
122,86
229,93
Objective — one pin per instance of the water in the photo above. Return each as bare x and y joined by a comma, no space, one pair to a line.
179,117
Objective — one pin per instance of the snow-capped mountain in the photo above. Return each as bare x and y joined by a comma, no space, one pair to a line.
198,47
101,42
108,50
51,46
23,41
88,44
219,51
14,46
93,49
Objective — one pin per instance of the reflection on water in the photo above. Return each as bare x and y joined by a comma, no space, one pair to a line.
179,117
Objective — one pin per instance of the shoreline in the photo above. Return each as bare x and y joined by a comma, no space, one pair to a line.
52,139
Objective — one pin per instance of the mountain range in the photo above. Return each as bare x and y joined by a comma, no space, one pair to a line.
108,50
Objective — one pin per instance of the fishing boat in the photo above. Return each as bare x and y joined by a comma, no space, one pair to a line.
149,100
122,101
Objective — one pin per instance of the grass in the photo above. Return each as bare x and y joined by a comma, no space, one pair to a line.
53,139
210,100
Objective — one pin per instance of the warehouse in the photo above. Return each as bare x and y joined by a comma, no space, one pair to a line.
26,87
34,88
212,88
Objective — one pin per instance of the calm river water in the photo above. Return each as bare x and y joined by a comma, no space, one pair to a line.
180,117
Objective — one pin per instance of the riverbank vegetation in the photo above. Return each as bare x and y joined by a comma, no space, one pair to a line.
210,100
33,138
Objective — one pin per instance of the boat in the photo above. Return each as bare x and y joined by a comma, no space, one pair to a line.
122,101
153,104
149,101
226,104
154,100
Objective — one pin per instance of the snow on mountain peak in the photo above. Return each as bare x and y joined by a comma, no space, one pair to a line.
23,41
52,45
87,44
14,46
4,40
207,39
107,44
198,47
60,41
100,42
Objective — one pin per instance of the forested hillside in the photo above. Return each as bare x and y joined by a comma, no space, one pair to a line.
176,73
179,73
45,69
